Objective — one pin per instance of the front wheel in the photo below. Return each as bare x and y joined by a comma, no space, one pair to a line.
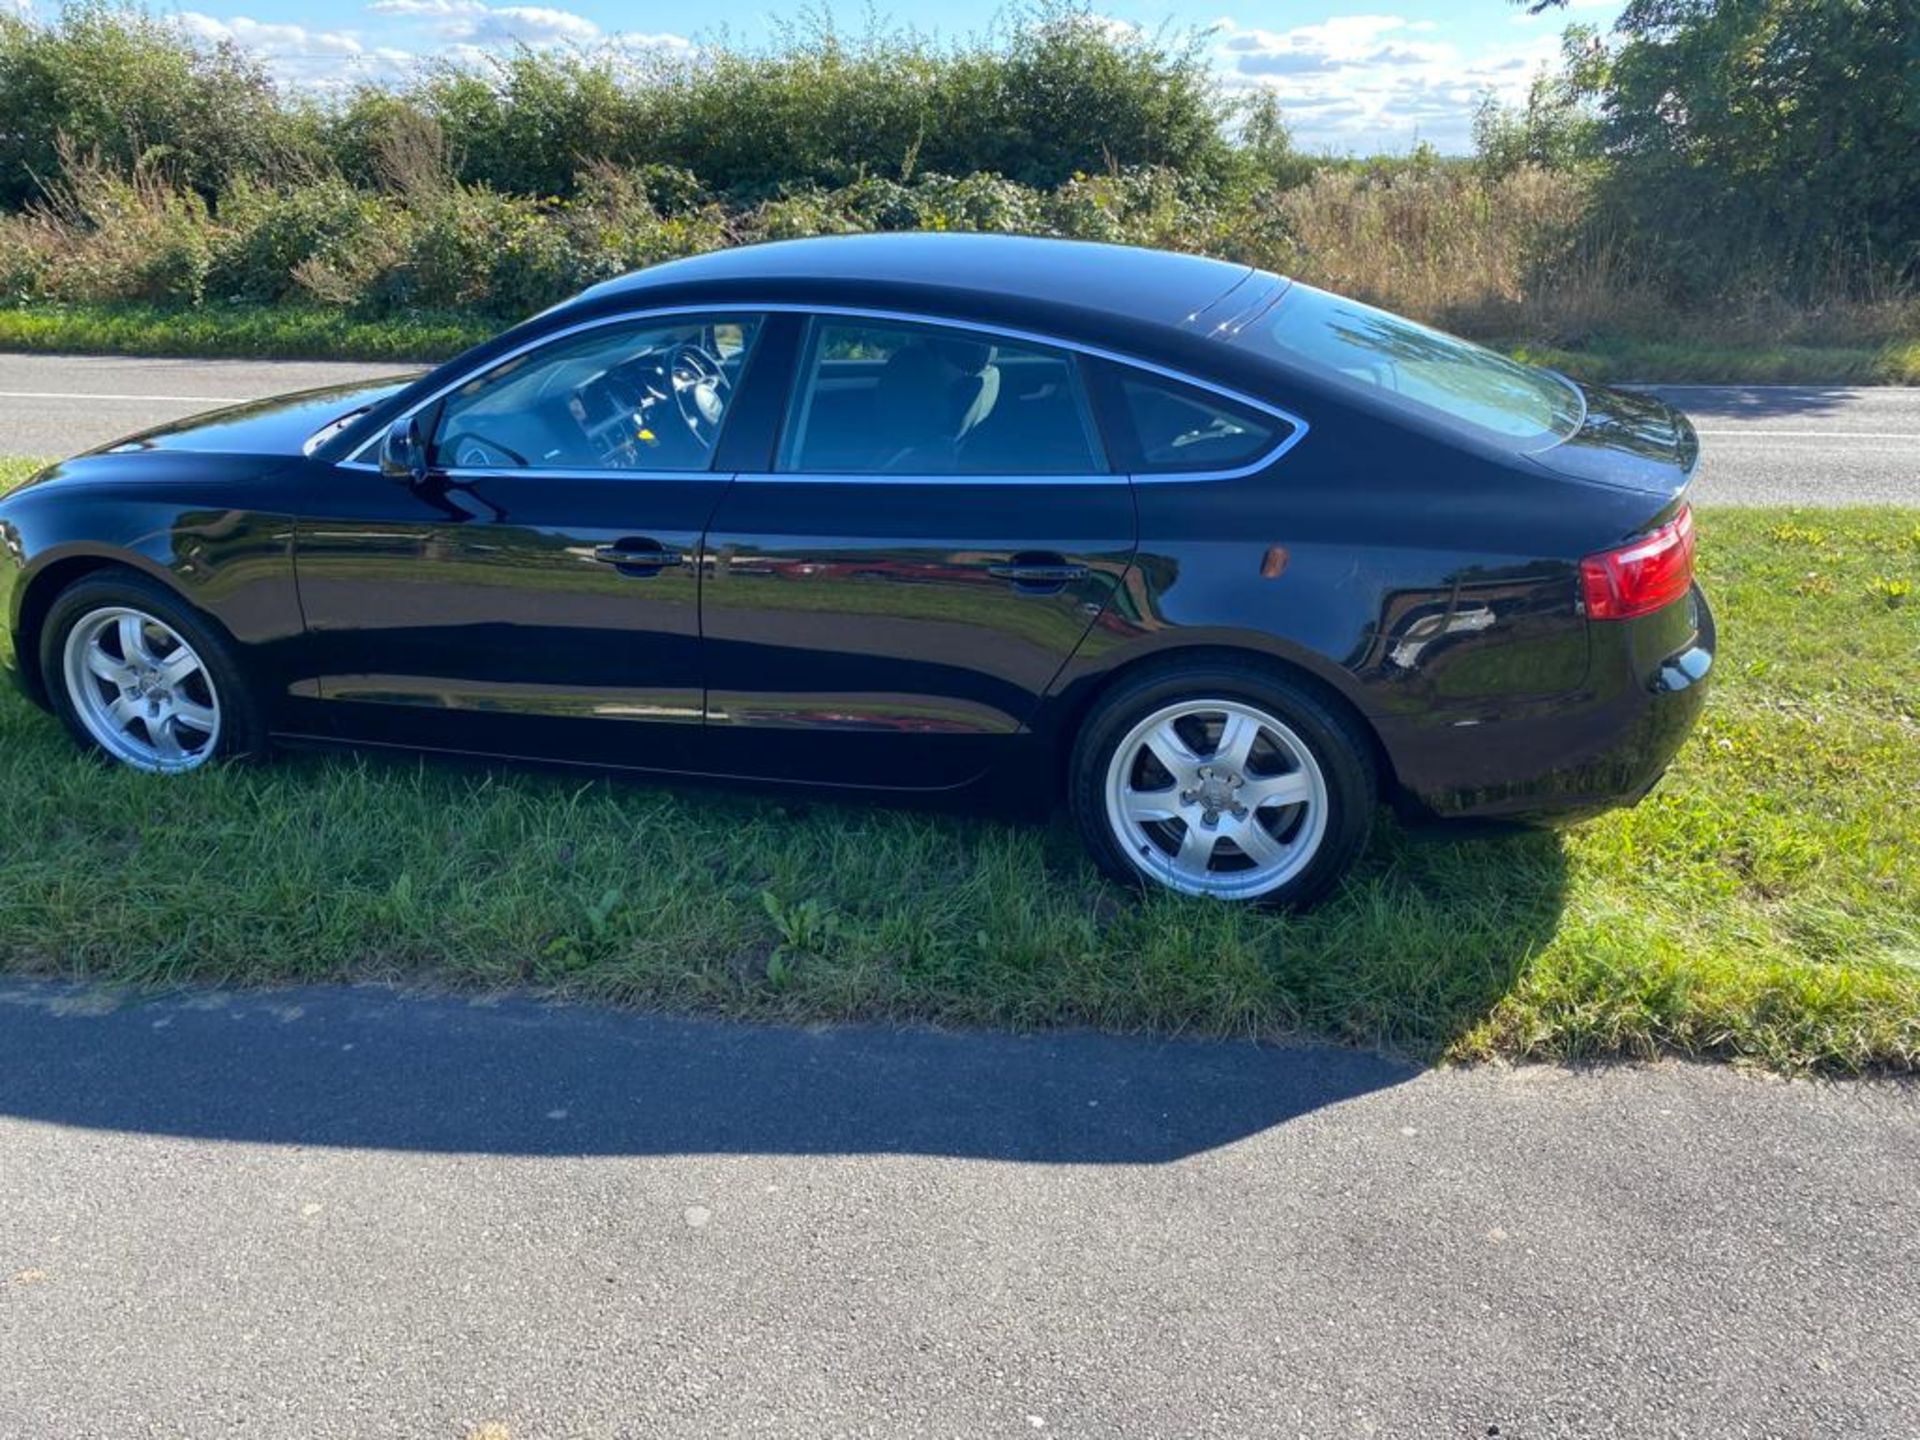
142,679
1230,781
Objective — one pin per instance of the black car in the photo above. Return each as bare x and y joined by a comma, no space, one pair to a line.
1214,558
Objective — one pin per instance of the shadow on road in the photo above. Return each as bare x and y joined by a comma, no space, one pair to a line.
1753,402
367,1067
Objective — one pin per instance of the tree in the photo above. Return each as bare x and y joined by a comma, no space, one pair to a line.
1556,128
115,82
1768,135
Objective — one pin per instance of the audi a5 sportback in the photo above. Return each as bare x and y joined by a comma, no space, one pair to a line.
1215,558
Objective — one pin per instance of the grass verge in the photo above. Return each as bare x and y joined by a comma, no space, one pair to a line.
289,332
278,332
1764,903
1620,359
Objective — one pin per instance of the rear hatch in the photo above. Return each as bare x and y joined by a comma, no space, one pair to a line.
1630,441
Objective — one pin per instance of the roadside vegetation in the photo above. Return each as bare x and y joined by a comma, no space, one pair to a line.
1714,192
1762,904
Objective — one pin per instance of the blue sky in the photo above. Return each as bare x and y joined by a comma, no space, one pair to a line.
1349,76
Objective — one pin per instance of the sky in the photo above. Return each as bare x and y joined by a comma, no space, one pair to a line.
1350,75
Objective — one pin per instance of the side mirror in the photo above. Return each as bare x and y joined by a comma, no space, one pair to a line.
403,453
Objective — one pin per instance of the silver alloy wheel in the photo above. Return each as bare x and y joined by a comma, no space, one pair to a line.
141,691
1216,797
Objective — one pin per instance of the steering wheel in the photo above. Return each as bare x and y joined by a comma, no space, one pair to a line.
701,390
471,451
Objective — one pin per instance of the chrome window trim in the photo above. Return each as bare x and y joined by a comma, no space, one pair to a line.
873,477
511,472
1297,432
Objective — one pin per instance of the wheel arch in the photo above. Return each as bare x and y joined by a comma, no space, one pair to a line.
51,578
1074,704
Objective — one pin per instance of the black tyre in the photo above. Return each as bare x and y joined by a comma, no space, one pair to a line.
1227,779
140,677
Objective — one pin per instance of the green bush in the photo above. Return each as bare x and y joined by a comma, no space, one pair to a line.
1748,160
1055,92
266,237
104,236
120,86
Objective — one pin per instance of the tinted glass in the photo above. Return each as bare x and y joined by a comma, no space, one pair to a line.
1502,399
645,395
892,399
1180,427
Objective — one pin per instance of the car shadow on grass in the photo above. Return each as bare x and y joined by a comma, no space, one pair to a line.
1017,934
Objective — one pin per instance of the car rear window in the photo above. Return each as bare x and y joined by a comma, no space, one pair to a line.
1517,405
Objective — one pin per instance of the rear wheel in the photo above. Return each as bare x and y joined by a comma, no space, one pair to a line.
1228,780
139,677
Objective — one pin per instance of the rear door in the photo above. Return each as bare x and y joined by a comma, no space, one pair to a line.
938,528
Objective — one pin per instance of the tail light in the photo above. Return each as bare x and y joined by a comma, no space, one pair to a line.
1637,579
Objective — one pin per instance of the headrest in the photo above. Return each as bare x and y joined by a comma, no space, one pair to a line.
969,357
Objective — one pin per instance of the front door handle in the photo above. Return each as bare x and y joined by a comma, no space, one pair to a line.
630,558
1038,575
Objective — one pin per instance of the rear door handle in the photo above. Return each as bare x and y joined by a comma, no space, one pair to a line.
640,560
1038,575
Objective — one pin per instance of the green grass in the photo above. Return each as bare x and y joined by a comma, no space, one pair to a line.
292,332
278,332
1620,358
1763,903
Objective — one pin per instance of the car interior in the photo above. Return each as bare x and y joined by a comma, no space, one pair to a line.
915,400
613,399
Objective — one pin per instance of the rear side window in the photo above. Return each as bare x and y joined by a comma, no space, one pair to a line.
882,398
1176,427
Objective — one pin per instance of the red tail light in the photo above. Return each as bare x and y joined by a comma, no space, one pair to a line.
1640,578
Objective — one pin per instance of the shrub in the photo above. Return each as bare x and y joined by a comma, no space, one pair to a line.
124,237
27,259
266,236
119,85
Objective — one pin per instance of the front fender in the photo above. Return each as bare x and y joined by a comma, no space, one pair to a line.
231,563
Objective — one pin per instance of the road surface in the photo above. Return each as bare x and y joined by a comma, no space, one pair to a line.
1763,445
331,1212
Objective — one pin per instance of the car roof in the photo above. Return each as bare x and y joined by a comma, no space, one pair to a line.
1155,286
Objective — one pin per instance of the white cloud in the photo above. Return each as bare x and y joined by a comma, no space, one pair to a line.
1374,81
270,39
308,58
406,31
473,22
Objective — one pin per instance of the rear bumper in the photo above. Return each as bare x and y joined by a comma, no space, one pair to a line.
1601,750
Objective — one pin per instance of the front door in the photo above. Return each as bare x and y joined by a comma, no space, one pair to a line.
539,594
890,602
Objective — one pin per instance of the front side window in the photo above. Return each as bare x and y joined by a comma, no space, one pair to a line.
1504,400
886,398
630,395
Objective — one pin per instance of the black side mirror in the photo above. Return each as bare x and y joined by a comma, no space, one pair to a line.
403,453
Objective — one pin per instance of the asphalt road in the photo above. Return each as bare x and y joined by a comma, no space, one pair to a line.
1763,445
340,1212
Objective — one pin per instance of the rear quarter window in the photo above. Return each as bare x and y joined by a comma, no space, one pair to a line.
1170,427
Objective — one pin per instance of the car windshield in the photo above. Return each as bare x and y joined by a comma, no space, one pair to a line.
1513,404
